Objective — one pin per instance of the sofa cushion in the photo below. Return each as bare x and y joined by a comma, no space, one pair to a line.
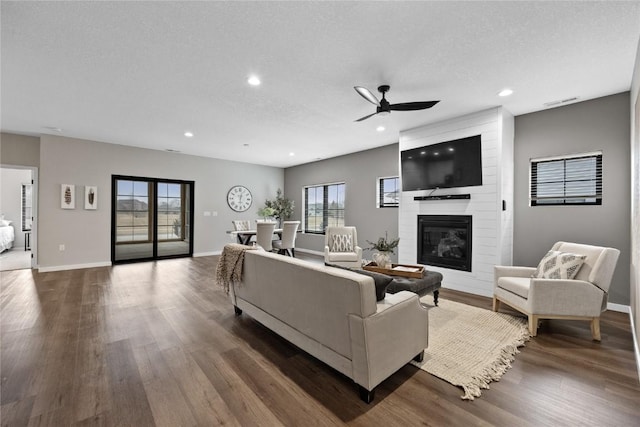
341,243
559,265
381,281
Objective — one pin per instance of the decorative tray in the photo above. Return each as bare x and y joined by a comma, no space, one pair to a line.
404,270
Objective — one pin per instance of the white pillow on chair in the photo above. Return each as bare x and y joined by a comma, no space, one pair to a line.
559,265
341,243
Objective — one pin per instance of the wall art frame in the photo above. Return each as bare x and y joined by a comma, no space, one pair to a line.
67,196
90,197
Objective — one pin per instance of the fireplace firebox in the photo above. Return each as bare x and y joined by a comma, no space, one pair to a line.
445,241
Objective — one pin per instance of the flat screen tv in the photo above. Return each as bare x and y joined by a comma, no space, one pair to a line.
450,164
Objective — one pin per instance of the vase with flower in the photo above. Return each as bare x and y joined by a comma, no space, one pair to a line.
383,248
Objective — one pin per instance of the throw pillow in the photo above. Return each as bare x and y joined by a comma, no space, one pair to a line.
559,265
381,281
341,243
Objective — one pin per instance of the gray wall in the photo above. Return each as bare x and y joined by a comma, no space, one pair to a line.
86,234
599,124
359,171
19,150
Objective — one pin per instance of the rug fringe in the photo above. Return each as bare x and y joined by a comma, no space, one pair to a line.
496,370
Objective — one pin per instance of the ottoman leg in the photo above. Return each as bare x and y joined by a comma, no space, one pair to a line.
435,297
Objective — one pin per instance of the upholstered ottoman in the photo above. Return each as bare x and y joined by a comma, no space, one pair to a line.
430,282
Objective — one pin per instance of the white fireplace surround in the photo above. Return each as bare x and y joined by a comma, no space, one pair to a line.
492,226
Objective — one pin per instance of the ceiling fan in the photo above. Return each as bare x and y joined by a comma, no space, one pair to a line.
383,106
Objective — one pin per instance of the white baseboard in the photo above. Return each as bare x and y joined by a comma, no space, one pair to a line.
73,266
212,253
618,307
309,251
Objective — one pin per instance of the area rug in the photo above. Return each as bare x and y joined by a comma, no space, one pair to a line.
470,347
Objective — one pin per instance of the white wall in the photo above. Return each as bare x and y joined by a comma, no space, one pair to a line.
492,228
87,234
11,199
635,205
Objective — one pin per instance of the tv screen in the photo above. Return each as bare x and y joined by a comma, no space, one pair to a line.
456,163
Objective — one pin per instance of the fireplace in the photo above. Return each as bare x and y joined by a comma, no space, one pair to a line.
445,241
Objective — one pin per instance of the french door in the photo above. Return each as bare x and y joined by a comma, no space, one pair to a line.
151,218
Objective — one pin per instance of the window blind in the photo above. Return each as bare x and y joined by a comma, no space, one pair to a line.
570,180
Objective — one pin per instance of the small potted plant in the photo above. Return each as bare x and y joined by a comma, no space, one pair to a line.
266,212
384,248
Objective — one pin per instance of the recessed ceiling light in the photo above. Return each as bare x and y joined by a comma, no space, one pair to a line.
380,128
423,152
505,92
451,149
436,153
253,81
188,134
292,154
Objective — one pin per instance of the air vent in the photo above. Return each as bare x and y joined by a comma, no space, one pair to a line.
560,102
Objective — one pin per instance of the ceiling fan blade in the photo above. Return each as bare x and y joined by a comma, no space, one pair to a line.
410,106
365,117
366,94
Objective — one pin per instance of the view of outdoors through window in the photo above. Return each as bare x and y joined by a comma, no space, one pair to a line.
132,222
324,206
388,195
170,218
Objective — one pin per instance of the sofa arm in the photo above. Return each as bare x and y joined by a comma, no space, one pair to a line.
384,342
565,297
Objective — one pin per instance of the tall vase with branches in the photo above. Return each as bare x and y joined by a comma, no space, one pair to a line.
282,207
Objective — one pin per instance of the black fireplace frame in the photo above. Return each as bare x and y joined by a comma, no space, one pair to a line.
463,221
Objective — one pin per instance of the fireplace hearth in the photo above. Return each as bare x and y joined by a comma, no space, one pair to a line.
445,241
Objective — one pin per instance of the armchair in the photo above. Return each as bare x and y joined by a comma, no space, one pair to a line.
341,247
582,297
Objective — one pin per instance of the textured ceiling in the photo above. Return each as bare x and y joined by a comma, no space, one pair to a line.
143,73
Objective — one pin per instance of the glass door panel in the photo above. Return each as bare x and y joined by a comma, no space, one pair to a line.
133,232
173,218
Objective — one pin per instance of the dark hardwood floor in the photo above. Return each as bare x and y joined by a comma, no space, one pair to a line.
158,343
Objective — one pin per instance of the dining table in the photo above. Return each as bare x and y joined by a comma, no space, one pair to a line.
244,236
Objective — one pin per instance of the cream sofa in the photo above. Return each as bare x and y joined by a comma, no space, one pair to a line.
333,315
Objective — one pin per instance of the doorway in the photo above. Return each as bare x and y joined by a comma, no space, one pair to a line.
151,218
18,207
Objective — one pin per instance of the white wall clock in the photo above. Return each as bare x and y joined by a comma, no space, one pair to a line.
239,198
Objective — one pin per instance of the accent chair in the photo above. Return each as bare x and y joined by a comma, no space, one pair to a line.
341,247
571,282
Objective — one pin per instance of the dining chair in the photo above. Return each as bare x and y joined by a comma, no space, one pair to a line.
264,235
241,225
287,244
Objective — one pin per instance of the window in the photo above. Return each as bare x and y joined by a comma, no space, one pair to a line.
388,192
323,207
26,207
567,180
133,213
